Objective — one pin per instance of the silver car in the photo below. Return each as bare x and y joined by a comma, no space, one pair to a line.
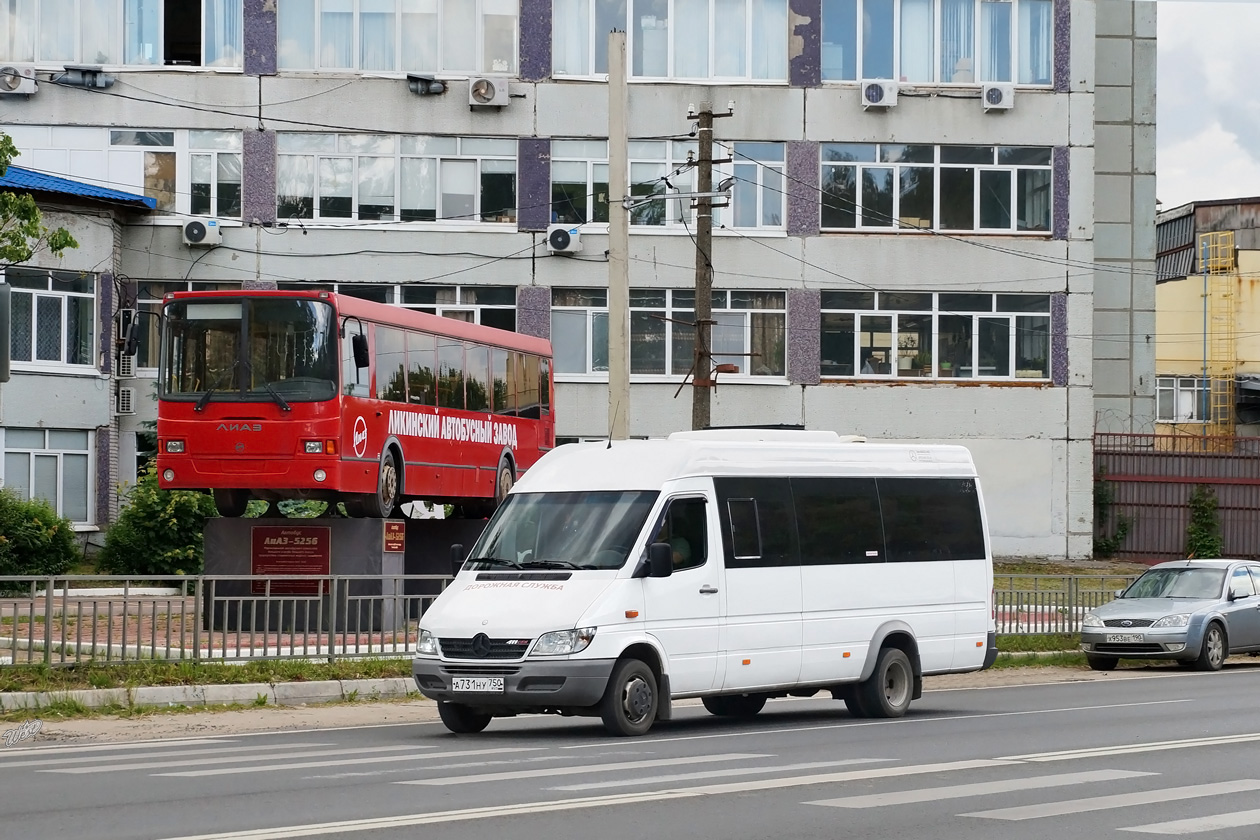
1197,612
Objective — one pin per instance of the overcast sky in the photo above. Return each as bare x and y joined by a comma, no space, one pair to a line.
1208,100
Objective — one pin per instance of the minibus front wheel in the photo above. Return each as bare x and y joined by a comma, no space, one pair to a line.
461,719
630,700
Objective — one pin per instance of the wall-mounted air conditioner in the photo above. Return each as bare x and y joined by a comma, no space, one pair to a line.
564,239
17,79
203,232
126,401
997,97
879,93
127,367
488,93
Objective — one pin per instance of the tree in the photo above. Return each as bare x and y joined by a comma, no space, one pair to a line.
1203,534
22,231
159,532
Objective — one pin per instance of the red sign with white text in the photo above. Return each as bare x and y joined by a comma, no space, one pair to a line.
395,536
290,550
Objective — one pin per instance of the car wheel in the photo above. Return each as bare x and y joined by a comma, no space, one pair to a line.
231,502
503,483
1214,650
461,719
630,701
1103,663
744,705
381,504
886,693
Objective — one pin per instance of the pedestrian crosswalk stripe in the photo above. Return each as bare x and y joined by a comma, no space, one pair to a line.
909,797
582,768
303,765
1120,800
116,759
1130,749
1198,825
718,774
227,759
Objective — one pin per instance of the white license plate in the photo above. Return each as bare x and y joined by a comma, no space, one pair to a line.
1121,638
485,685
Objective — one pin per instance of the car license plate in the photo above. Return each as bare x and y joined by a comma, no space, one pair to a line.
485,685
1121,638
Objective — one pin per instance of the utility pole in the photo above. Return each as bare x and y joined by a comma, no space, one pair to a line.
702,381
618,241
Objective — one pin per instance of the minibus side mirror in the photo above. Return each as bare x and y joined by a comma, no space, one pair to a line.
457,558
359,343
660,560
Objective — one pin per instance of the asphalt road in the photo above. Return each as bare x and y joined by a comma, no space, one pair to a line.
1173,755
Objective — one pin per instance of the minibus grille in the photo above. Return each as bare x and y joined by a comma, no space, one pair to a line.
483,647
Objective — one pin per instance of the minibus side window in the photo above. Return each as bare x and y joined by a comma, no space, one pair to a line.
838,520
758,521
685,529
931,519
745,533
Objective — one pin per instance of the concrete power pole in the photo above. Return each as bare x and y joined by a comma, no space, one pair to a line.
701,395
618,242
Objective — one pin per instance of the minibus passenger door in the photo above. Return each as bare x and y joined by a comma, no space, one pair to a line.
682,610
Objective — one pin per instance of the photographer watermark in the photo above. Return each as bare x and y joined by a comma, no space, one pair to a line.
28,730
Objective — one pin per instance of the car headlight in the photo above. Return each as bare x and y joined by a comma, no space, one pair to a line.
1173,621
427,646
561,642
1091,620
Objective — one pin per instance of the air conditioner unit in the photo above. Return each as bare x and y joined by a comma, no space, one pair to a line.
879,93
203,232
127,367
563,239
485,92
17,79
997,97
126,401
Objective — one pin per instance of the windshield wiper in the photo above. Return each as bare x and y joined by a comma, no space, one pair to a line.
497,561
552,564
271,389
205,399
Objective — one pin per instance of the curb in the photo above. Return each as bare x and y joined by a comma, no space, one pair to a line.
248,694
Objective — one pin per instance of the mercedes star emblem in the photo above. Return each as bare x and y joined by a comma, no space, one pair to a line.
481,645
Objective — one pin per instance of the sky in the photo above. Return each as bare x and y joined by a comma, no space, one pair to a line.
1207,100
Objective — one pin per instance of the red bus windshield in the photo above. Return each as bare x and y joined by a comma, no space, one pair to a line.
290,350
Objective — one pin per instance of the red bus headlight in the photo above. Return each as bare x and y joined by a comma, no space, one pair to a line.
175,447
313,447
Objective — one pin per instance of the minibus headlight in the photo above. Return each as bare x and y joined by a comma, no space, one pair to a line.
561,642
427,646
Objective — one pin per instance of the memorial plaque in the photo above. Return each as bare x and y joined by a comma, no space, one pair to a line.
290,550
395,536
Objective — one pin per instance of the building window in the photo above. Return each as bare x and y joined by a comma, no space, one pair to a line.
54,318
674,39
939,41
901,335
447,36
50,464
148,305
579,181
386,178
1181,399
215,173
491,306
201,33
750,332
869,186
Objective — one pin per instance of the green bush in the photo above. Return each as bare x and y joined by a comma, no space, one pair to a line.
159,532
34,540
1203,535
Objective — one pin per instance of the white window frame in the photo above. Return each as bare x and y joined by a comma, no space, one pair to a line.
1200,396
935,313
58,503
569,151
63,296
148,301
770,183
462,300
593,32
938,167
219,147
484,64
334,152
978,57
728,317
119,21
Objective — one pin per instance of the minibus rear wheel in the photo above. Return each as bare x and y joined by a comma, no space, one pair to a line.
630,700
887,692
461,719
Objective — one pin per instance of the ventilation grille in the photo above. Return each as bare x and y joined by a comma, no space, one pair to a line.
126,400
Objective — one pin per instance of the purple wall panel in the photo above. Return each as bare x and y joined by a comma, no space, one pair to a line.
802,188
535,40
260,37
1062,45
1061,186
805,43
259,188
533,311
804,321
1058,340
105,478
533,174
105,294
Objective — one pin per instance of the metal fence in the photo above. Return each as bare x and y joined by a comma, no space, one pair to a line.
234,618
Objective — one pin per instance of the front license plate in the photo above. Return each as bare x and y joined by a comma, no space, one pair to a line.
1121,638
485,685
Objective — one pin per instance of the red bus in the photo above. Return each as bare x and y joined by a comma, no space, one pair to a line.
312,395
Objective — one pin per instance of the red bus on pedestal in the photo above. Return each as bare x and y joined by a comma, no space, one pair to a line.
313,395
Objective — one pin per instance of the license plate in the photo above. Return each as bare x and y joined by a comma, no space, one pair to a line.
1121,638
485,685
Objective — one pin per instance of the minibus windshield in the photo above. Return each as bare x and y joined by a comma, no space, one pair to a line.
593,530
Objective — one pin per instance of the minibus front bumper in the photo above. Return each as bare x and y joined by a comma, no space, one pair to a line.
524,685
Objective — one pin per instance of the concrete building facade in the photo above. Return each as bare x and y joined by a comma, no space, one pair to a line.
937,270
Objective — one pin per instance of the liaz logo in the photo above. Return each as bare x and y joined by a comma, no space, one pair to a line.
360,436
238,427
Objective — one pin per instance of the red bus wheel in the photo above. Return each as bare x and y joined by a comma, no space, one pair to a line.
507,477
231,502
381,504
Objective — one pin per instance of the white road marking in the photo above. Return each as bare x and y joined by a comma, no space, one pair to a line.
122,745
1129,749
154,765
718,774
429,769
909,797
541,807
301,765
1198,825
1120,800
35,762
582,768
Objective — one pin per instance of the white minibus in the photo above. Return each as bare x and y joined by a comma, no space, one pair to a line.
728,565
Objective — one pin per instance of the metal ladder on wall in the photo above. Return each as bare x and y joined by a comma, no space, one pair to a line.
1217,262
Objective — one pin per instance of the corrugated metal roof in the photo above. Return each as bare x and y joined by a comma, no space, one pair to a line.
17,178
1174,234
1174,264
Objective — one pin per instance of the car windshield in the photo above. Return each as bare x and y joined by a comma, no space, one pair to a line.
1178,583
563,530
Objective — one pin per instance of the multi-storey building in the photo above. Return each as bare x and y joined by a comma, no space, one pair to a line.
963,252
